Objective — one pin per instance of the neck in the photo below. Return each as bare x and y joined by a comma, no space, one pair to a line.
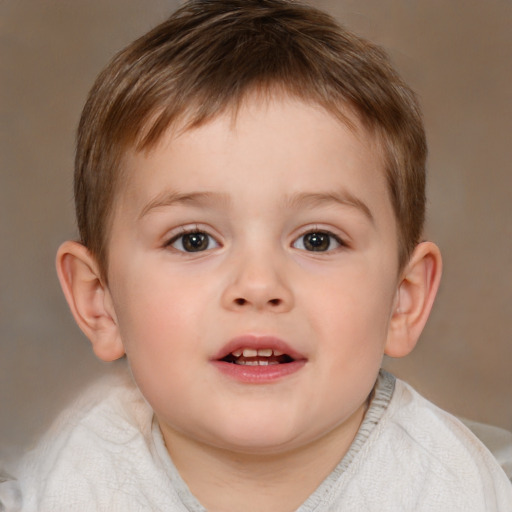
225,480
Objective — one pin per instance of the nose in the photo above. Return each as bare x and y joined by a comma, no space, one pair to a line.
258,282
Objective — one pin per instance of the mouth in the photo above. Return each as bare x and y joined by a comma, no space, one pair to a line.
258,359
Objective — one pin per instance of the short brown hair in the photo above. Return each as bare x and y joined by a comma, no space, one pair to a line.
208,56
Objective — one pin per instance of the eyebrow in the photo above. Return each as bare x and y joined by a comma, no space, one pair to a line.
297,201
343,197
171,198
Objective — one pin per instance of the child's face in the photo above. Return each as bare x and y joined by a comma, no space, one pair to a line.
272,233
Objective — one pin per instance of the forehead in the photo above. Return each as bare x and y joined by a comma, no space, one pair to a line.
278,140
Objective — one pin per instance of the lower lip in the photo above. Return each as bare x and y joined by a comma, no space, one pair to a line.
258,374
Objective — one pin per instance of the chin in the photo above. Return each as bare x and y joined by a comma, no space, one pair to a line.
256,438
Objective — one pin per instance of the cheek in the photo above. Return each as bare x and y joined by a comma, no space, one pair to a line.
161,336
352,310
152,314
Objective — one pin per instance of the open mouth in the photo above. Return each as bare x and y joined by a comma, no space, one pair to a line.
257,357
253,359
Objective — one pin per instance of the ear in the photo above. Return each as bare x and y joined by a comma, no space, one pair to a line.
415,296
89,299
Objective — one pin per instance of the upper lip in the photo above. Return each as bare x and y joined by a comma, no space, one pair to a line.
256,342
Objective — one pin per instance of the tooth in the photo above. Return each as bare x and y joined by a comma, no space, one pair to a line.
251,363
237,353
278,353
250,352
265,352
263,363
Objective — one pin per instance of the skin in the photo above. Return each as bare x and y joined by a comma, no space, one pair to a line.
255,188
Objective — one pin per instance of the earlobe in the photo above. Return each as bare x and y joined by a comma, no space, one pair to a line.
89,299
416,292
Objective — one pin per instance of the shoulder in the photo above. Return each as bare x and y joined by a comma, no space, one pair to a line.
433,453
93,452
109,411
434,430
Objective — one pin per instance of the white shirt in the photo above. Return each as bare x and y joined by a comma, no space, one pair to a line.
106,453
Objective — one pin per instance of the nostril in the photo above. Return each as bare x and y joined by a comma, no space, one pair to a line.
240,301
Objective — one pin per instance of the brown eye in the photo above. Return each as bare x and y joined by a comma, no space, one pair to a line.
317,241
196,241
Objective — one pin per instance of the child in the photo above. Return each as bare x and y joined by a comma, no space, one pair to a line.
250,197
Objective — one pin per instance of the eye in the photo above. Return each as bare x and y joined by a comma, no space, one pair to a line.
194,241
317,241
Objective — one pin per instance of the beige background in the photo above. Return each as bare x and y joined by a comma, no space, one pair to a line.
456,53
